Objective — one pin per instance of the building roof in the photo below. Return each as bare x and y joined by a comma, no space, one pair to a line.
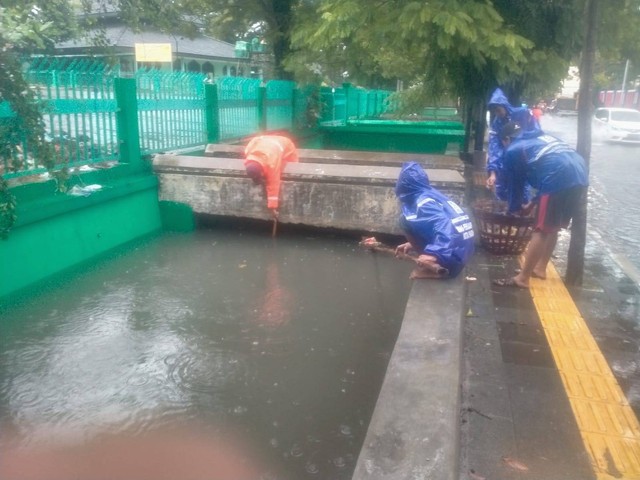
123,37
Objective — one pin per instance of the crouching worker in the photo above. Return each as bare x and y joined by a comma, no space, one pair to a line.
265,159
438,231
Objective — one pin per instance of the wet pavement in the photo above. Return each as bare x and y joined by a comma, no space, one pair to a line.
518,415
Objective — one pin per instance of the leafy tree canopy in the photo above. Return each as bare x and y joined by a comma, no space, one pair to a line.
446,46
269,20
461,48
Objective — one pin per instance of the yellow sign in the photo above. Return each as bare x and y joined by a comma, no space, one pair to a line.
153,52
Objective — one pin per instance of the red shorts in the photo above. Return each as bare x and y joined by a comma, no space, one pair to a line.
555,210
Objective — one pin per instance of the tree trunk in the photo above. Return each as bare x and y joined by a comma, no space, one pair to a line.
480,124
575,264
282,14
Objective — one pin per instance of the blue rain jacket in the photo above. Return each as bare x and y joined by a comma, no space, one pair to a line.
495,147
495,150
545,162
433,223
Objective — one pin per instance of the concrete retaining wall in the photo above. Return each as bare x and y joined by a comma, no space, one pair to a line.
349,197
56,232
414,430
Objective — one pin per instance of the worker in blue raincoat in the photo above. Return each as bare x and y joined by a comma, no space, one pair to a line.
559,175
438,231
502,113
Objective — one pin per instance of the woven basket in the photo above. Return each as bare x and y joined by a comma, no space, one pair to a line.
501,234
480,178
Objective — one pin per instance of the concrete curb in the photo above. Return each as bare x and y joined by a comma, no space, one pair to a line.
414,430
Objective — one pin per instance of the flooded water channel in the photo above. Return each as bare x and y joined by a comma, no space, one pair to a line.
281,345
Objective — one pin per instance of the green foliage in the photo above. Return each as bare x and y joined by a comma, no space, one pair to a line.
555,28
21,30
618,40
447,48
231,20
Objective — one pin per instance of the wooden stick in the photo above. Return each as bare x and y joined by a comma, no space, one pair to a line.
379,247
275,226
392,251
373,245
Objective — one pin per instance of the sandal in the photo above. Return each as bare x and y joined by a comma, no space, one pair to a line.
507,282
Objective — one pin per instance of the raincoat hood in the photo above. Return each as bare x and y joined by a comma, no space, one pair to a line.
499,98
413,182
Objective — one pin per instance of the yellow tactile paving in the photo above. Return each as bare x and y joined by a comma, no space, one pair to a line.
609,428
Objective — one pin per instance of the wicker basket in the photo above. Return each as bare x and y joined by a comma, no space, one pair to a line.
480,178
501,234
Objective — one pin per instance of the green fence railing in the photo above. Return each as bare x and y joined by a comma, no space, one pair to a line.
79,115
171,110
279,100
92,115
239,101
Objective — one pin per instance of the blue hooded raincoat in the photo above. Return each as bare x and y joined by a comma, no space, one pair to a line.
495,150
544,162
433,223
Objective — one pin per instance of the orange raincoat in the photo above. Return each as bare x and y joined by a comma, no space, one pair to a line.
273,152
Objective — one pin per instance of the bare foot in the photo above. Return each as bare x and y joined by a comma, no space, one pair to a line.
535,274
420,273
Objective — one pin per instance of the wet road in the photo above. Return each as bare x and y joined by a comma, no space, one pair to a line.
614,203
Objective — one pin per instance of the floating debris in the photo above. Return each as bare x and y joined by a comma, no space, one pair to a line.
515,464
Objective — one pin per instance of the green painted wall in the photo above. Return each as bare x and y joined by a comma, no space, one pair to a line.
55,231
394,136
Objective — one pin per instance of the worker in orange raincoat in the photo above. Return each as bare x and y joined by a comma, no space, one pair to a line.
265,159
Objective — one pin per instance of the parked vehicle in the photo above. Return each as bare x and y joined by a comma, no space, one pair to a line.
563,106
617,124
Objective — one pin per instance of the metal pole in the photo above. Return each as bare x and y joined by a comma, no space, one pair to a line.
624,83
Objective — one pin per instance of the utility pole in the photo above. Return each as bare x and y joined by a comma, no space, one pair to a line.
624,83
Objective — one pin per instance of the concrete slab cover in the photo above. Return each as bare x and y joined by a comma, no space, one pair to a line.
353,157
221,166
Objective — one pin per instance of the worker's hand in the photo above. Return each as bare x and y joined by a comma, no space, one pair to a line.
491,180
403,248
430,264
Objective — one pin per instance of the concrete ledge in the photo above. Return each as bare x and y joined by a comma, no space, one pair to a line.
352,157
414,431
349,197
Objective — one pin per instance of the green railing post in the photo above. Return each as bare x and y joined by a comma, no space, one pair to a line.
262,108
212,112
127,122
347,104
294,107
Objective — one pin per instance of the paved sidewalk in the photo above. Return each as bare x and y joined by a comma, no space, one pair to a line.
518,418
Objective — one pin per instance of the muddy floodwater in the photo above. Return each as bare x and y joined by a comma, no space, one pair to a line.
274,348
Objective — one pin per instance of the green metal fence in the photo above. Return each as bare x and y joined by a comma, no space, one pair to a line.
340,105
93,115
171,110
239,102
79,114
279,105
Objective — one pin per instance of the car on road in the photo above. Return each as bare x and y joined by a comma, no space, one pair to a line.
617,124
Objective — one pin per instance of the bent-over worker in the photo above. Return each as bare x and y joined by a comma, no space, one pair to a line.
265,159
437,229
